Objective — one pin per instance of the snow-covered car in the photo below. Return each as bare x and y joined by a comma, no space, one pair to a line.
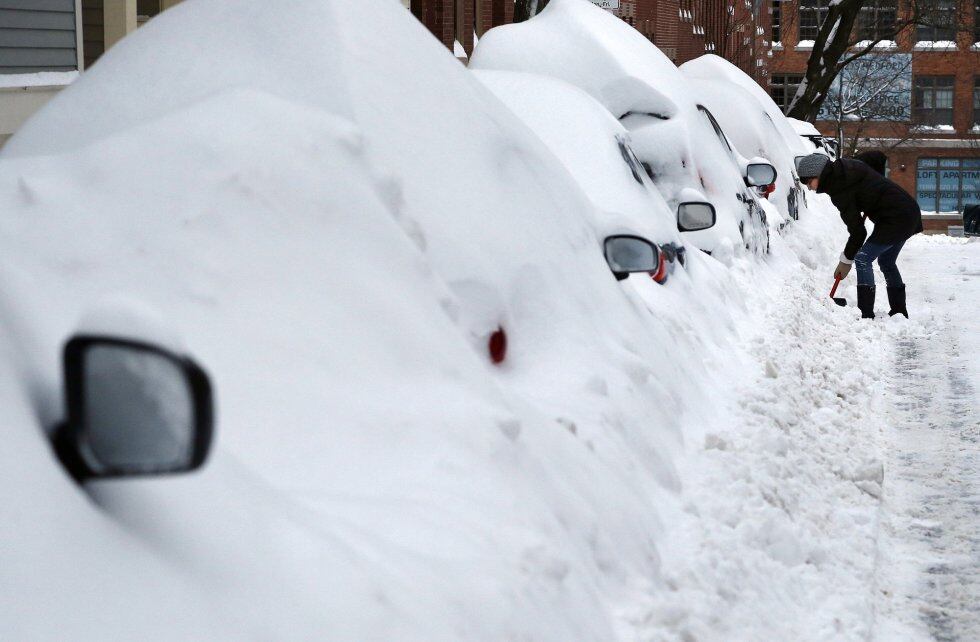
600,54
342,246
752,128
595,148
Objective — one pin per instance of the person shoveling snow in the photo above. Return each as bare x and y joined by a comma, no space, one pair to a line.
856,188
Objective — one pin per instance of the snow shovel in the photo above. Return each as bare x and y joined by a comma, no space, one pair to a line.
838,300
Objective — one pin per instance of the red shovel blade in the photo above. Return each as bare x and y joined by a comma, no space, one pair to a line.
838,300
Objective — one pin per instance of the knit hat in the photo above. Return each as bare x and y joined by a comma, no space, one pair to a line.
811,166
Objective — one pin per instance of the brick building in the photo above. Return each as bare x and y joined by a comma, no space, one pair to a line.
456,22
932,138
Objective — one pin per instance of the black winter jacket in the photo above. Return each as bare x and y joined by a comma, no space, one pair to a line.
855,188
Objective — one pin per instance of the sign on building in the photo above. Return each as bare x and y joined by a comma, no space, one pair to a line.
876,87
606,4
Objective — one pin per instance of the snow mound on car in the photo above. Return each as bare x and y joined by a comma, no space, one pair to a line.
618,75
594,50
166,71
752,131
585,137
334,241
713,67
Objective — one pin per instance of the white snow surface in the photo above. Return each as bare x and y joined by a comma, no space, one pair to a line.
334,244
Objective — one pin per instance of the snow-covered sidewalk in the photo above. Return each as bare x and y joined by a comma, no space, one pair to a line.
928,577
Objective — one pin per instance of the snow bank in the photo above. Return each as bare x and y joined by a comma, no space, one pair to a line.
334,243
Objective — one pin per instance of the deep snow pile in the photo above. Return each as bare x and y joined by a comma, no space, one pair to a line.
334,244
776,536
336,254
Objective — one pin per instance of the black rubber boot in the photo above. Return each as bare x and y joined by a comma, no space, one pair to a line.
866,301
896,300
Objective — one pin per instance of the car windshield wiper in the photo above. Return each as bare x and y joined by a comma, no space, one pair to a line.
645,113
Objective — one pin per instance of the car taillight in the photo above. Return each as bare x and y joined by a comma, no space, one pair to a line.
497,346
660,276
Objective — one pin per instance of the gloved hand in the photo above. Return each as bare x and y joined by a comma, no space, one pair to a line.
842,270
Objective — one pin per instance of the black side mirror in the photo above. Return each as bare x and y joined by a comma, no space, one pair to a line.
626,254
695,216
134,409
760,174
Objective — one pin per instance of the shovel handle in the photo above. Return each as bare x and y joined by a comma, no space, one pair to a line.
833,290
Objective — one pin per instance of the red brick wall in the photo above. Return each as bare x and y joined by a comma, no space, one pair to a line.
439,16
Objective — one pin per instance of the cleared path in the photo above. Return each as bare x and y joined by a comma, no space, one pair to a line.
928,567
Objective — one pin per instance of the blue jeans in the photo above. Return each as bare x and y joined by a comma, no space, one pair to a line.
885,254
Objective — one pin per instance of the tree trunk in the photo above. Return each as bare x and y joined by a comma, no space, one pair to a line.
825,62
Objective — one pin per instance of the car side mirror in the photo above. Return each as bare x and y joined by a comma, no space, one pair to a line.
134,409
695,216
626,254
760,174
796,162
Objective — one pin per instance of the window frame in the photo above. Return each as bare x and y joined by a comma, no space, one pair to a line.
776,20
784,87
926,114
976,101
937,32
819,10
872,25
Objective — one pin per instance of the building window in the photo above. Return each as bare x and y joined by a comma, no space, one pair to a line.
776,10
877,20
947,184
932,100
782,88
976,21
938,21
976,102
812,15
